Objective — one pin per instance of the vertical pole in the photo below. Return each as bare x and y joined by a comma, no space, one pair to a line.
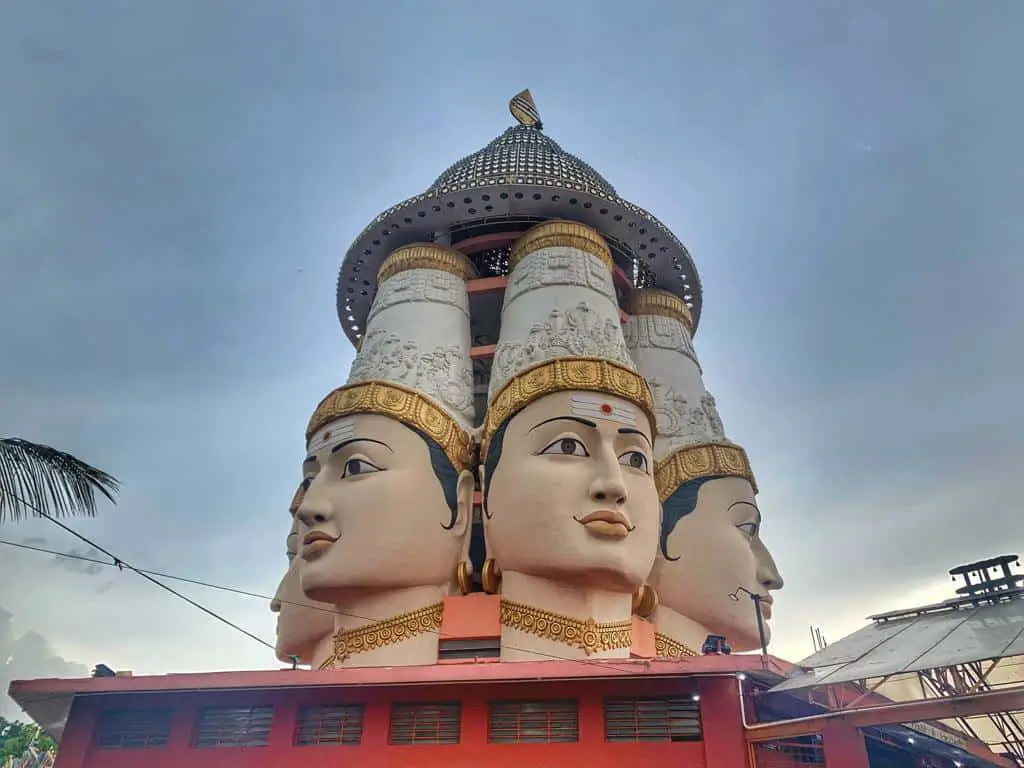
760,628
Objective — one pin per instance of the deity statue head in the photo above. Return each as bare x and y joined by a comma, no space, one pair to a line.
301,623
388,470
711,556
567,448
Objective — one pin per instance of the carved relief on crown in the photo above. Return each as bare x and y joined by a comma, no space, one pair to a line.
557,266
426,256
561,233
577,332
433,286
443,373
681,421
653,301
659,332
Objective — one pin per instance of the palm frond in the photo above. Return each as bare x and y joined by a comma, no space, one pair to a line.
35,475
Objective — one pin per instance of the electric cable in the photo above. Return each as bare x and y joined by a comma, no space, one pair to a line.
150,574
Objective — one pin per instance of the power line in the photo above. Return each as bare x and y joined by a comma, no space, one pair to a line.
246,593
121,564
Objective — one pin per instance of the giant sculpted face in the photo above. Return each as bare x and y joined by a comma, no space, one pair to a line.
300,623
569,492
710,546
384,509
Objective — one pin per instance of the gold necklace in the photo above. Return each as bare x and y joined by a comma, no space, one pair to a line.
666,647
587,635
383,633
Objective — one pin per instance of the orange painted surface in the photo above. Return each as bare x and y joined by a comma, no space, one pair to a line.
473,750
482,351
844,746
643,639
471,617
486,285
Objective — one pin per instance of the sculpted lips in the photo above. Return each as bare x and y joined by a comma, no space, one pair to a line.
606,524
315,543
766,606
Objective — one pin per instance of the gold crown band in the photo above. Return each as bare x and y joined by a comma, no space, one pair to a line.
701,460
654,301
579,374
586,635
380,634
564,233
300,494
666,647
404,405
426,256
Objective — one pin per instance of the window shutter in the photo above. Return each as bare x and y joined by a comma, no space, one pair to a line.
672,718
134,728
234,727
533,722
331,724
428,723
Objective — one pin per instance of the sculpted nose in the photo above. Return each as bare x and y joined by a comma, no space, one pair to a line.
314,510
768,574
608,485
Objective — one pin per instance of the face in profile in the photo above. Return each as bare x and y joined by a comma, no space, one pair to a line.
299,628
570,494
711,546
376,513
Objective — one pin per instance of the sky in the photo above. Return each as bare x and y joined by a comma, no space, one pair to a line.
181,181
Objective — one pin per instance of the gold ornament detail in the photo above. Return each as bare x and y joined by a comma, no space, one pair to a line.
462,577
645,601
586,635
666,647
380,634
426,256
701,460
300,494
564,233
490,577
402,404
568,374
654,301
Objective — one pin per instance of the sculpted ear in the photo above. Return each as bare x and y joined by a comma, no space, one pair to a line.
464,491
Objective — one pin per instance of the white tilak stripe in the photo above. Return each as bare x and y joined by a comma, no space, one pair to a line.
332,434
596,407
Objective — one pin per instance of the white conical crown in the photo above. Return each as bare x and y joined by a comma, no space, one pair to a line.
413,362
560,324
691,440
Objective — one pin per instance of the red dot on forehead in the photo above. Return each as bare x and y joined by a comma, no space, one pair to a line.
605,408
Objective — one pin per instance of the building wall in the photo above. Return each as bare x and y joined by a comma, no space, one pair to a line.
723,736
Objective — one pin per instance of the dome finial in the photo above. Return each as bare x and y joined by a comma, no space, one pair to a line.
524,110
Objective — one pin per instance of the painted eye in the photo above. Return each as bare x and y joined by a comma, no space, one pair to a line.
355,467
566,446
748,528
634,460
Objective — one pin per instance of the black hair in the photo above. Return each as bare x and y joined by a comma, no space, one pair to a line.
677,506
491,459
446,474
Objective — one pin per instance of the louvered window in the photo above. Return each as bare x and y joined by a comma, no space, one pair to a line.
331,724
469,649
533,722
433,723
652,719
234,727
134,728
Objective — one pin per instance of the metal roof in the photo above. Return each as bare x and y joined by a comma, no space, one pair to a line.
959,634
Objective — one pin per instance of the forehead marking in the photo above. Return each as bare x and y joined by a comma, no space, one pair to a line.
597,407
331,435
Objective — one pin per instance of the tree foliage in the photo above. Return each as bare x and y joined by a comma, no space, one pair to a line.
16,737
35,476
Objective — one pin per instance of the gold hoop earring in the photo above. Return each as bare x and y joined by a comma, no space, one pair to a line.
491,577
462,574
645,601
